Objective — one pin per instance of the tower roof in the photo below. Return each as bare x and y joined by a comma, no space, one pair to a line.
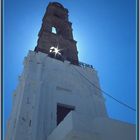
56,4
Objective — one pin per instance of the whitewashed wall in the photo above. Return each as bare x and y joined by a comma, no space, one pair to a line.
44,83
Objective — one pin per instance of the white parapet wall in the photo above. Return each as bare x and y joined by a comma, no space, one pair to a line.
80,127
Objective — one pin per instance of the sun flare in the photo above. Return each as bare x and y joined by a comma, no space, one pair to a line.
55,50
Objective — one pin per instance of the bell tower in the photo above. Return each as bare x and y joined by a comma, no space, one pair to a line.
56,31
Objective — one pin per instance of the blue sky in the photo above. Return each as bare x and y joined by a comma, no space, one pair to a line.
106,34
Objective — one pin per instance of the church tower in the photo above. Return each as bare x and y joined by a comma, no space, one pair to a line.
56,31
57,96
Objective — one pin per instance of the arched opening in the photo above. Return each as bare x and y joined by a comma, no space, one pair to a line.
54,30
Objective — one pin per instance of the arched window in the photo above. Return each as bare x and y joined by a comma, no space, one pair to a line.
54,30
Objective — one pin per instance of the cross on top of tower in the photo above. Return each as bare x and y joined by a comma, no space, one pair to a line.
56,31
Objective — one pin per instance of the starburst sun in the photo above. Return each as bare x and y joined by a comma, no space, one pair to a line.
55,50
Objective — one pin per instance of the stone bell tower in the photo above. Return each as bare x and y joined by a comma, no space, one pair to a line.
56,31
57,96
